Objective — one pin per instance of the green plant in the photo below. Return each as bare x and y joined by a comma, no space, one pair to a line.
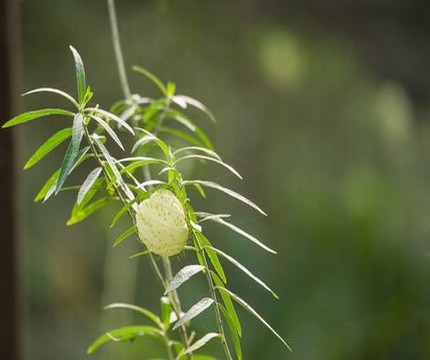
161,137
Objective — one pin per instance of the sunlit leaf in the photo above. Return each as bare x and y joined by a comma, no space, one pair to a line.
201,342
150,315
72,151
195,103
111,116
48,146
48,185
126,334
194,311
152,77
83,213
80,75
187,138
182,276
108,129
235,338
36,114
125,235
208,158
54,91
199,149
225,190
247,307
213,257
88,183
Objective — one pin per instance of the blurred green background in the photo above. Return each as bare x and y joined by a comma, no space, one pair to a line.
323,107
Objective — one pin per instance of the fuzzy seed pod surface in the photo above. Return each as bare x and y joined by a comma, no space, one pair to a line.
161,223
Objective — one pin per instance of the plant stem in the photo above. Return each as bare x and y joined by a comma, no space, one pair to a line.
117,49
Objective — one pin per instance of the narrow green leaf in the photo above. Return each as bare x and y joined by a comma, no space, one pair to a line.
182,135
108,129
80,75
238,230
225,190
228,303
72,151
166,311
130,231
48,146
150,315
198,148
36,114
54,91
213,257
208,158
48,185
88,183
197,104
201,342
247,307
125,334
127,207
88,210
152,77
245,270
194,311
110,116
235,338
151,137
108,158
182,276
139,254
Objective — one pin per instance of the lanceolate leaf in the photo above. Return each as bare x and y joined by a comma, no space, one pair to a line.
195,310
36,114
245,270
182,276
235,338
124,334
228,303
199,149
48,185
150,315
208,158
110,116
72,151
88,183
151,77
241,232
125,235
108,129
201,342
213,257
183,136
54,91
88,210
197,104
80,75
225,190
247,307
48,146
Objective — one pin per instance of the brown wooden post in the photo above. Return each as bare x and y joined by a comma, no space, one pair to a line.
10,279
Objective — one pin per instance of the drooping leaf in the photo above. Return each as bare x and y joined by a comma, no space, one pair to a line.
108,129
88,210
208,158
233,194
197,104
228,303
148,314
80,75
125,208
48,146
109,159
72,151
238,230
88,183
194,311
235,338
130,231
193,149
247,307
213,257
48,185
54,91
35,114
160,143
111,116
182,276
152,77
182,135
166,311
125,334
245,270
201,342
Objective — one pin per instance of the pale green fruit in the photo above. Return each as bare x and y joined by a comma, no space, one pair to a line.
161,223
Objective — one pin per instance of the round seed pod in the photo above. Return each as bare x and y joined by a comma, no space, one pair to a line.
161,223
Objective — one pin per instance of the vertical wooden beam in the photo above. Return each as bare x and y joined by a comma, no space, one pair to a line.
11,347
